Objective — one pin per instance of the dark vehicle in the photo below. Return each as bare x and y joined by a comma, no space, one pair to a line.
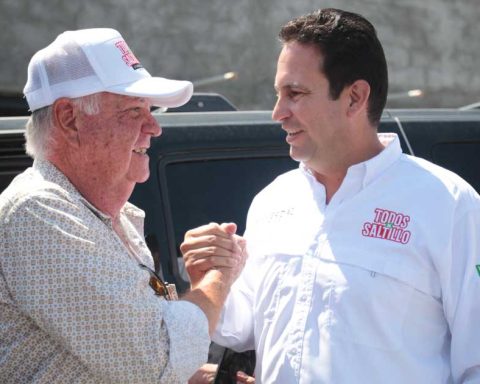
207,166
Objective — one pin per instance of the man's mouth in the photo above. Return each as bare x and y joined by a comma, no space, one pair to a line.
293,133
140,151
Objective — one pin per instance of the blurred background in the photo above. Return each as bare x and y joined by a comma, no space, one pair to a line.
231,47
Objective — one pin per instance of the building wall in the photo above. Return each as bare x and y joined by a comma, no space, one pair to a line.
430,44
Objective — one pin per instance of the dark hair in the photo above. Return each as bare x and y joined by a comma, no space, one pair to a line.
350,49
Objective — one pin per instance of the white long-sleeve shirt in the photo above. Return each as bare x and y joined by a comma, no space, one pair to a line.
382,285
75,307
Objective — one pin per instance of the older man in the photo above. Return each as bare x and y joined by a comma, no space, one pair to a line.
76,303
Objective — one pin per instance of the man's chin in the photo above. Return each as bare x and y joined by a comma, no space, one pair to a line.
300,157
140,177
143,179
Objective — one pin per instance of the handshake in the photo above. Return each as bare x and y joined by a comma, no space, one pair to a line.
214,251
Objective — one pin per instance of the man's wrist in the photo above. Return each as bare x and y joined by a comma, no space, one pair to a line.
217,278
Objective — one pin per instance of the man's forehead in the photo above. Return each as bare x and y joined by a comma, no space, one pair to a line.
299,65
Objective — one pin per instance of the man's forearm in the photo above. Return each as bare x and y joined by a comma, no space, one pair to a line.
210,295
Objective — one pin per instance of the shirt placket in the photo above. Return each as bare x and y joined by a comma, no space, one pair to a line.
303,302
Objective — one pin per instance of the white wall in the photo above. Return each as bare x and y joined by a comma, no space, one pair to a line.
430,44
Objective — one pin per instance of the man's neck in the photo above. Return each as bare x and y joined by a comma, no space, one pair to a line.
107,198
331,183
108,201
332,178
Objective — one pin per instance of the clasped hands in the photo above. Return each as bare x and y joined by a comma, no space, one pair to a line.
214,247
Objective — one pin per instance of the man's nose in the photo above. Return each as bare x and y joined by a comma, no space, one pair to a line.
152,127
280,110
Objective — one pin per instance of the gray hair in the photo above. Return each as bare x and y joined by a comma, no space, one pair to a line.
38,135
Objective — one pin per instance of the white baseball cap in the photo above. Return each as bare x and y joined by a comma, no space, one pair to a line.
87,61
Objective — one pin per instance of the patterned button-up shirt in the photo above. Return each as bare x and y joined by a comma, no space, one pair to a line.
75,307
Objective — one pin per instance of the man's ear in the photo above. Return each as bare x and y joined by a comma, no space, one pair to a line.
358,94
65,120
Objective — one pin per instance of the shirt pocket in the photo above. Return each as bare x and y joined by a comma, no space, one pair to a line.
369,300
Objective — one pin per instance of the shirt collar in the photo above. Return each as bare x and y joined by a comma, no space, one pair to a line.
52,174
375,166
362,174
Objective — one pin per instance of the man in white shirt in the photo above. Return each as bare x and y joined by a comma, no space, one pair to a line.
76,279
364,263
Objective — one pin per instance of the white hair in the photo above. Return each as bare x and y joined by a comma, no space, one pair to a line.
38,135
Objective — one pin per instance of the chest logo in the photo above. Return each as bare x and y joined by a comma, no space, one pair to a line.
388,225
278,216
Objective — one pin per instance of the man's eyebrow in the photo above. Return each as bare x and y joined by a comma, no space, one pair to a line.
290,86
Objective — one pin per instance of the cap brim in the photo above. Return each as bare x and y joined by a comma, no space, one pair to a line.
162,92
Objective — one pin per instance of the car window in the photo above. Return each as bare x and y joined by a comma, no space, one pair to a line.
219,190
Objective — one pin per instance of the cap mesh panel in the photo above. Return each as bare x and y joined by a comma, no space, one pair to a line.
34,82
60,67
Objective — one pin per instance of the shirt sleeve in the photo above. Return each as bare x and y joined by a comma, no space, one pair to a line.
461,297
76,282
236,326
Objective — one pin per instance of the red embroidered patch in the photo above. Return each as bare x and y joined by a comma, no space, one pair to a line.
127,55
388,225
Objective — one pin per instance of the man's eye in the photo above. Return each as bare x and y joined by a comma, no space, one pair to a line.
291,94
134,112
